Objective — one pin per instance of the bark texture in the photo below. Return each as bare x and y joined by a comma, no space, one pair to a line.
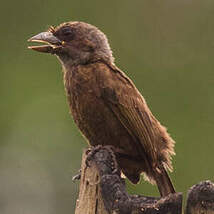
201,199
102,190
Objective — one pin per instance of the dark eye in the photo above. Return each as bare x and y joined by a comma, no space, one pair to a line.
66,32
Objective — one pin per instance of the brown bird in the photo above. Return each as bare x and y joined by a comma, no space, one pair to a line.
106,105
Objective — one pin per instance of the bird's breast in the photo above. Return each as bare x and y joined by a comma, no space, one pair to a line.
86,107
91,114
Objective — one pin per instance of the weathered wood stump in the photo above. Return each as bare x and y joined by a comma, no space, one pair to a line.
102,190
200,199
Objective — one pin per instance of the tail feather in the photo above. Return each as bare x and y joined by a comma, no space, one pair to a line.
163,182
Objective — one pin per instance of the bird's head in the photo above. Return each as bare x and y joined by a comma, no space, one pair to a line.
74,43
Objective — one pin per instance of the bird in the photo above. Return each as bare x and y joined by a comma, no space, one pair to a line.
106,105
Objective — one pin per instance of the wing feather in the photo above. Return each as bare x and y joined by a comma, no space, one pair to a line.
130,108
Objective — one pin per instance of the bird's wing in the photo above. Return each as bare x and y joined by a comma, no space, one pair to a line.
122,97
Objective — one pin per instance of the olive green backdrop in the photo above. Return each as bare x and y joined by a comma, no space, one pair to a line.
166,47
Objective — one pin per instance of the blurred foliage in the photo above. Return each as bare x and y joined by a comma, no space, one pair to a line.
166,47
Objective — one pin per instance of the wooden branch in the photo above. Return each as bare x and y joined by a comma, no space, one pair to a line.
102,190
90,199
201,199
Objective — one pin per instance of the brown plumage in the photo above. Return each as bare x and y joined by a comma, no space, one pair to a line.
105,104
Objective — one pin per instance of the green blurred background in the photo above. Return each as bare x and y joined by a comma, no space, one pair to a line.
166,47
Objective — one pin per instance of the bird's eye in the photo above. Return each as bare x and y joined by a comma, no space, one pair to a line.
67,32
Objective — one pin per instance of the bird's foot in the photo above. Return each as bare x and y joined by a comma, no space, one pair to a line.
93,150
90,153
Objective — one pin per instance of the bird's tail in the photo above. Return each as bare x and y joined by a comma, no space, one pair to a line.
163,182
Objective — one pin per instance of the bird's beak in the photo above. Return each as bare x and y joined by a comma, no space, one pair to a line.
48,38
